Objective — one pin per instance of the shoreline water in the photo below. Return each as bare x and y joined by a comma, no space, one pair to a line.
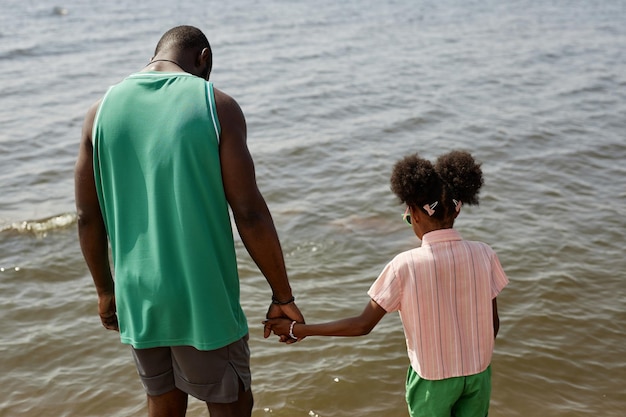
333,94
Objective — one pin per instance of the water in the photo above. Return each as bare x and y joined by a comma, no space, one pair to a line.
334,93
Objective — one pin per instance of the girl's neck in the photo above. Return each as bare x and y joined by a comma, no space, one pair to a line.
426,225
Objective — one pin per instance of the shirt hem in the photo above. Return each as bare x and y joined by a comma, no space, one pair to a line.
460,375
183,342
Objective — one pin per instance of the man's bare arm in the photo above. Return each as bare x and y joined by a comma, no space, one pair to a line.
91,230
252,216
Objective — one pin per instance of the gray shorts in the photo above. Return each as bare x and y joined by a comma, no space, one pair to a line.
209,375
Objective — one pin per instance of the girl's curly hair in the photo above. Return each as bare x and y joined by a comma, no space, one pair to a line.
455,176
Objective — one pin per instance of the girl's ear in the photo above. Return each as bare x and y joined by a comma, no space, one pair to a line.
416,214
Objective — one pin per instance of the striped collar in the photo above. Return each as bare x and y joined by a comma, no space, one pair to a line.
441,235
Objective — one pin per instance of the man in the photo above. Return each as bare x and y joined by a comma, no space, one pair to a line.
162,156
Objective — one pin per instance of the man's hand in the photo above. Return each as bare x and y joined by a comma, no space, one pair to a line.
108,311
287,311
280,327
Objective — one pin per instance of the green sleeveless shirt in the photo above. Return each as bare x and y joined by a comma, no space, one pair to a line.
159,183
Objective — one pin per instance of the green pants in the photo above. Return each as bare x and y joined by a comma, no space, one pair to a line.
465,396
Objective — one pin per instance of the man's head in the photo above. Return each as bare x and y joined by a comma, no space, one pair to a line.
189,46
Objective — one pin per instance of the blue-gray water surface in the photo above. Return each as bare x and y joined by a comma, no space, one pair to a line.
334,93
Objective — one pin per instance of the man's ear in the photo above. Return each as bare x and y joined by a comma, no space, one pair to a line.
204,55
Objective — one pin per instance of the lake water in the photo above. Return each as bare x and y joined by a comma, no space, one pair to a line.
334,93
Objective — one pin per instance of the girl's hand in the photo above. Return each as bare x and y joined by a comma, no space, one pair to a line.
280,327
288,311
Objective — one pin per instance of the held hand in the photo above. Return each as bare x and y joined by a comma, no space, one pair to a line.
281,328
274,311
288,311
108,311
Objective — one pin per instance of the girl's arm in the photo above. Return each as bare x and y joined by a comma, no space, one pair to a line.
353,326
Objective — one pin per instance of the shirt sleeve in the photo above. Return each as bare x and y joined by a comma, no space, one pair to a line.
386,290
499,279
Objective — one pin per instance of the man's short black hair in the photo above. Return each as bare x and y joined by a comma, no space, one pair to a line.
182,38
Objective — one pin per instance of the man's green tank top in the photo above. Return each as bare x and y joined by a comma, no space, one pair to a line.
159,183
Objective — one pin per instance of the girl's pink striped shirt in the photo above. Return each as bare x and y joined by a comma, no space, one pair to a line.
443,291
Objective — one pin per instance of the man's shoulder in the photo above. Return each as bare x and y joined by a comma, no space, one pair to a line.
228,109
222,98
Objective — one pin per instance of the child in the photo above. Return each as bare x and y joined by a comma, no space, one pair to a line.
445,292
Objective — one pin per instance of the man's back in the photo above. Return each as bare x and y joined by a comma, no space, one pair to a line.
159,183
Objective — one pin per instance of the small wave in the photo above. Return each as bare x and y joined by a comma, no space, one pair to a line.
41,226
59,11
26,51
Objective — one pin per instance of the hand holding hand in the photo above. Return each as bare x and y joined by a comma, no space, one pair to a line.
281,327
289,312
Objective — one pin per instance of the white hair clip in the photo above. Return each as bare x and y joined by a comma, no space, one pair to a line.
430,208
457,204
